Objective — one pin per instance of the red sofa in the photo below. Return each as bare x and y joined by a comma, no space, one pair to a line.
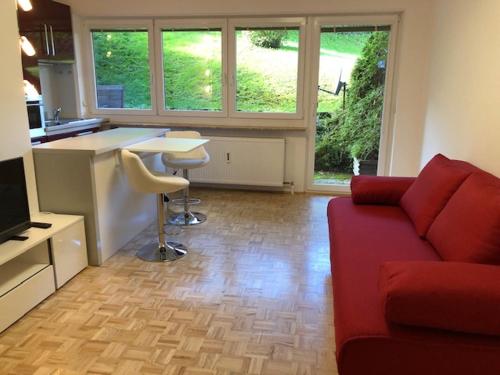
416,275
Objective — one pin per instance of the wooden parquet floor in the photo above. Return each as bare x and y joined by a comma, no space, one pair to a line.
253,296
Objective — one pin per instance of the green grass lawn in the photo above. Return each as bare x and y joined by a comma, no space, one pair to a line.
192,70
338,43
332,177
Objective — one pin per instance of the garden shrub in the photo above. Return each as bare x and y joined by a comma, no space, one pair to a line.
362,121
268,38
332,154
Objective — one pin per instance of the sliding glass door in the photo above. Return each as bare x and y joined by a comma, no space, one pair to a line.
350,99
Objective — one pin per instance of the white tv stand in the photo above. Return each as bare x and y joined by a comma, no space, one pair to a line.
31,270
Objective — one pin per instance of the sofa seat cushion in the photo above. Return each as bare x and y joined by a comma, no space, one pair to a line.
468,228
432,189
362,237
462,297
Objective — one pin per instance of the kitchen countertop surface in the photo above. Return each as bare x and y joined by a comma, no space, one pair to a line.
99,143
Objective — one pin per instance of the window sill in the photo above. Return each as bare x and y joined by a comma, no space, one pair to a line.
207,126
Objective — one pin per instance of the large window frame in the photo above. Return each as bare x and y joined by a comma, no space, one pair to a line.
189,23
228,114
119,25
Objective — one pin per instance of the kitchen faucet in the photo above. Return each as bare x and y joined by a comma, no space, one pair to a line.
57,114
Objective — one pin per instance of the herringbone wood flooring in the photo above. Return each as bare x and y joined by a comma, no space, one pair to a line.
252,297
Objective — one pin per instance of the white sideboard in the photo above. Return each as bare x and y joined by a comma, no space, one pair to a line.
32,270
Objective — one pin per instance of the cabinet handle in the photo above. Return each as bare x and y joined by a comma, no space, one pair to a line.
52,40
46,34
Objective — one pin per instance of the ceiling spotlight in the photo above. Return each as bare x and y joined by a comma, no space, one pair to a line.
27,47
30,91
25,5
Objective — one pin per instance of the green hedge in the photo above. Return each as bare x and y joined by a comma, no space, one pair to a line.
355,130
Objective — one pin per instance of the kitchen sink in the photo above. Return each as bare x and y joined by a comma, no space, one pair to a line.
62,121
69,123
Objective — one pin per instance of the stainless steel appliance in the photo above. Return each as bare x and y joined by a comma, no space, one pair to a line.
36,115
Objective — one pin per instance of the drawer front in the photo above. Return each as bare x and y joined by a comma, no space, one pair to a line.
69,252
23,298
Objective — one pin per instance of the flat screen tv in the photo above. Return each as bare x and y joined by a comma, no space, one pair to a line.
14,209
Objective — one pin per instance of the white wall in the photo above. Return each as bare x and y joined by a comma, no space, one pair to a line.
14,128
463,106
413,51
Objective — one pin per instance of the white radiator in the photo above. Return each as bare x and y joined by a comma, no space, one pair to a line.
243,161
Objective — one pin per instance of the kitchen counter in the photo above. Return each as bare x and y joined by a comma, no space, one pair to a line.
99,143
84,176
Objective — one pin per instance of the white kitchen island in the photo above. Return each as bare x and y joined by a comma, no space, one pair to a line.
83,176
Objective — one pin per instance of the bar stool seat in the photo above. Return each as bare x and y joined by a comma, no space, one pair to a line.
143,181
186,161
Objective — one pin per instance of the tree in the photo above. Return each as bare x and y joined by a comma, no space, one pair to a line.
355,130
363,115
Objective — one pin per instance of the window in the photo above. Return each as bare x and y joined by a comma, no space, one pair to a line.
267,67
122,68
226,68
192,69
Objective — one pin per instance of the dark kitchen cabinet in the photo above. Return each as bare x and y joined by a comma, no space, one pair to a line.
70,134
48,27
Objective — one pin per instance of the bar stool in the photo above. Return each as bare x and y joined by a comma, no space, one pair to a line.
143,181
186,161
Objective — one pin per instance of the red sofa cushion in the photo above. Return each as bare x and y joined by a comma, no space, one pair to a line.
463,297
432,189
468,228
379,189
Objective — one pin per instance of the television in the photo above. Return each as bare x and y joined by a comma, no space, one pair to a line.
14,208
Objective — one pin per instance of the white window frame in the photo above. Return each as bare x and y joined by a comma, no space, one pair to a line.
125,24
235,23
386,130
189,23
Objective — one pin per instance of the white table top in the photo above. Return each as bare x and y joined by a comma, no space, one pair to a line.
101,142
164,144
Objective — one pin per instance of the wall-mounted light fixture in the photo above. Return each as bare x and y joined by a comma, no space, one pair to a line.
27,47
25,5
30,91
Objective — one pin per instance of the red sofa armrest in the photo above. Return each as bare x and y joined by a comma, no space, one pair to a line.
379,190
461,297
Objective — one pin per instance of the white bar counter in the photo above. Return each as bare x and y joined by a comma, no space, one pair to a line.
83,176
99,143
164,144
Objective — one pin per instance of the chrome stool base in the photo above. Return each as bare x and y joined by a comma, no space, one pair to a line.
187,218
157,253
